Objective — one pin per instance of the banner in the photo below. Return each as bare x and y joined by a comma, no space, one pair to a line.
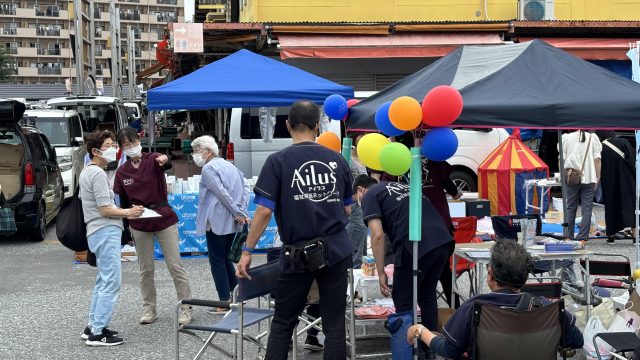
186,207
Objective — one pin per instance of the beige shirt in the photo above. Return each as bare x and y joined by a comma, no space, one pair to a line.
574,151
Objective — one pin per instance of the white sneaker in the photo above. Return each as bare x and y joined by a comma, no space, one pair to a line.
186,316
148,317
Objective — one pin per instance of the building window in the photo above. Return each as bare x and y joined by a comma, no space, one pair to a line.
54,49
165,16
98,49
49,30
98,31
97,11
9,29
11,47
168,2
49,68
99,71
130,15
50,10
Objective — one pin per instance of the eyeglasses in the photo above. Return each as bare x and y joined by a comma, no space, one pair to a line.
131,145
114,145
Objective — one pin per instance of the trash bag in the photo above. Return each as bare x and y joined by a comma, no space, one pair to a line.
70,227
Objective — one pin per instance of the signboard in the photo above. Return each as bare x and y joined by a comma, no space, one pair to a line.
187,38
67,85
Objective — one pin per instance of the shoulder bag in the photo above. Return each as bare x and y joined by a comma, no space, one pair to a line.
574,176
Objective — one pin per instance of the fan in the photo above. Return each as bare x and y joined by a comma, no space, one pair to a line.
536,10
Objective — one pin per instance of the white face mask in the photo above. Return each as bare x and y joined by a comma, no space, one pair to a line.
134,152
110,154
199,160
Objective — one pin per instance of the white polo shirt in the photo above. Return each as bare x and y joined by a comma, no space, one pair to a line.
574,151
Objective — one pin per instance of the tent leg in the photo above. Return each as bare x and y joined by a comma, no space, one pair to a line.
637,198
565,229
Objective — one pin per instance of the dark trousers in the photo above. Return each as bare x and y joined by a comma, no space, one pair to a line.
445,279
313,310
222,270
429,268
291,299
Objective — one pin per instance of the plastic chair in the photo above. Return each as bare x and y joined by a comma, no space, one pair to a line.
264,279
499,333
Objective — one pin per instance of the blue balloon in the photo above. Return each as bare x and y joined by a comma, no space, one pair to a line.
383,123
336,107
439,144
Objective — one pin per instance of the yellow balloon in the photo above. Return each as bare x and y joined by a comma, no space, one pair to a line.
369,148
636,274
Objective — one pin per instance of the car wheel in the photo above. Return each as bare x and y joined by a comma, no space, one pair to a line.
464,182
37,234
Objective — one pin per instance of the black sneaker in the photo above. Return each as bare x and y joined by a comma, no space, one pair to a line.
312,343
87,332
104,339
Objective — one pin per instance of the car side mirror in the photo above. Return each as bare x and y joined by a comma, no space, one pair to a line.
77,141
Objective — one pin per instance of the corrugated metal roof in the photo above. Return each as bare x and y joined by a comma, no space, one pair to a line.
47,91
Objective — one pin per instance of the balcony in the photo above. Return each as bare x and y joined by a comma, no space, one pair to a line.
98,52
167,2
49,11
9,31
48,32
27,52
49,71
130,16
8,9
11,50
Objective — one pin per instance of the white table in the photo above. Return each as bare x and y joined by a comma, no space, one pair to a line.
546,185
481,254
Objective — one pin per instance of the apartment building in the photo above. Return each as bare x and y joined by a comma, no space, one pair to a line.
39,35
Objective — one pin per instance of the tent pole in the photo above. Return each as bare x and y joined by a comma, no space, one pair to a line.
565,226
637,198
415,224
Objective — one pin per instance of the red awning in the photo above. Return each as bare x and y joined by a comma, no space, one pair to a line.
592,48
379,46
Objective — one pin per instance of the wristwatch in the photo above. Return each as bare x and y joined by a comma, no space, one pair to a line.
247,249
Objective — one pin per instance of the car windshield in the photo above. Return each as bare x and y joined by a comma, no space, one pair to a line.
56,130
96,116
132,111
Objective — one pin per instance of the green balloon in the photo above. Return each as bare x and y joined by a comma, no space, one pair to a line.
395,159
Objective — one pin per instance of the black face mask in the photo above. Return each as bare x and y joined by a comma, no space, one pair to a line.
111,166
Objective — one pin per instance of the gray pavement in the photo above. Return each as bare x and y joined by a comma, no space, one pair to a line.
44,300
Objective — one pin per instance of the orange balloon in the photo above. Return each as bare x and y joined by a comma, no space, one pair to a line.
330,140
405,113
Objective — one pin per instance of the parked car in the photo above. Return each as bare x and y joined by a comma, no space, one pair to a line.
29,174
97,112
249,151
65,132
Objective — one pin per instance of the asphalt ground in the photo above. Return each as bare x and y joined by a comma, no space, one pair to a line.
44,302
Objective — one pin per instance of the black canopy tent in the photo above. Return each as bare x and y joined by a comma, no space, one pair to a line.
529,85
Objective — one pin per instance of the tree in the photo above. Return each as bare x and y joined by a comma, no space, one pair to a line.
6,63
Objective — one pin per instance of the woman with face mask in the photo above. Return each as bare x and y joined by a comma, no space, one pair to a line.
141,181
104,229
222,211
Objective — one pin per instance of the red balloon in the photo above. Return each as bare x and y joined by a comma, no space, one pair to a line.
350,103
441,106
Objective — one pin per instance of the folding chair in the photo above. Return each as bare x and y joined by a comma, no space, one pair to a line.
551,290
621,342
621,269
464,233
501,334
264,279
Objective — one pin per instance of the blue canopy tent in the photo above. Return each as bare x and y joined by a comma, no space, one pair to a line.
243,79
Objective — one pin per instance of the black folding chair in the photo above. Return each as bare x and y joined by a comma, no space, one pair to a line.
505,334
264,279
620,269
621,342
551,290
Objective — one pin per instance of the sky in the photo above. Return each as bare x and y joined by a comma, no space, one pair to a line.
189,9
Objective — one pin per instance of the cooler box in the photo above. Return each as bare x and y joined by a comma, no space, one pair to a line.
478,208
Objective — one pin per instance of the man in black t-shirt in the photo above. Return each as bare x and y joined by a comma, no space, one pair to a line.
385,208
309,188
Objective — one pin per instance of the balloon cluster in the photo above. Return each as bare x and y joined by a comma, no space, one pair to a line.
440,107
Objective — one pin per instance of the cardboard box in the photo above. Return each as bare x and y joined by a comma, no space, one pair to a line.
443,316
478,208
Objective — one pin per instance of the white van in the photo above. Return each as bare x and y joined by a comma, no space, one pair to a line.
97,112
65,132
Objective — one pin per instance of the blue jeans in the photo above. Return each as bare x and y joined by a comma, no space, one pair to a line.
224,274
357,232
105,243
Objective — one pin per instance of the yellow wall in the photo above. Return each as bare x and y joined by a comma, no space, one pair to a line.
426,10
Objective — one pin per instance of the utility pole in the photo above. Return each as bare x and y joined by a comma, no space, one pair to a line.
77,7
131,61
92,40
114,31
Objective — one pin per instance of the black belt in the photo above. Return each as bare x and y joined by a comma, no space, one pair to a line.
157,205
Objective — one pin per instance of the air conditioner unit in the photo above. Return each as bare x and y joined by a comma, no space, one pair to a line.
536,10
